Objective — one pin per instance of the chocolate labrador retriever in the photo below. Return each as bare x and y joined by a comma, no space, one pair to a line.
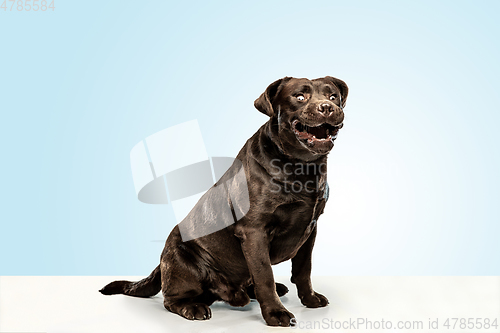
282,172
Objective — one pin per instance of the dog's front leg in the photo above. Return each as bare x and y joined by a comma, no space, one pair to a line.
255,246
301,275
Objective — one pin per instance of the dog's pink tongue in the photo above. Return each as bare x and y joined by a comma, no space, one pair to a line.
305,135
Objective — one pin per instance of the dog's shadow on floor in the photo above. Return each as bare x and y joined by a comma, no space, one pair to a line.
157,301
253,305
224,306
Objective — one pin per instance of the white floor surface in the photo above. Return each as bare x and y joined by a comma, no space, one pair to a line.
357,304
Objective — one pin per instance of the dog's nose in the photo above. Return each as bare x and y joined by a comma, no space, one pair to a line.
325,108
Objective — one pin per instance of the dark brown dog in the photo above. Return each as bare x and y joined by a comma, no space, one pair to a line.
284,168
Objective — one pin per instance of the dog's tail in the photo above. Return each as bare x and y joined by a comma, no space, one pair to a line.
147,287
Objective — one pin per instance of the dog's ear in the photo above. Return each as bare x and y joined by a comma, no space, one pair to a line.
344,90
265,102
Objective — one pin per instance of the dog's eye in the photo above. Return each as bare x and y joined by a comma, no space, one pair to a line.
300,97
332,97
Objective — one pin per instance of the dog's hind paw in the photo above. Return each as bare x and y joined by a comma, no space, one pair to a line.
195,311
281,289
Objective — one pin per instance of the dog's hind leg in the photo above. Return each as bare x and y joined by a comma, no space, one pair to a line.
183,290
187,300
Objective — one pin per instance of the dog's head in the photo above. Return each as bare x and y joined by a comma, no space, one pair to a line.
308,113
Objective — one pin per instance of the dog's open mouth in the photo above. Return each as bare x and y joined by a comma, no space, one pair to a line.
315,134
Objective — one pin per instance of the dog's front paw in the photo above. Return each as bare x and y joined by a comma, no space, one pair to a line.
279,317
314,301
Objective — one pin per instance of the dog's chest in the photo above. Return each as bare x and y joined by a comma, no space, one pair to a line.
295,223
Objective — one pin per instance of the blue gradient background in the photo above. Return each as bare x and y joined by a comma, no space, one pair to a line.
414,173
